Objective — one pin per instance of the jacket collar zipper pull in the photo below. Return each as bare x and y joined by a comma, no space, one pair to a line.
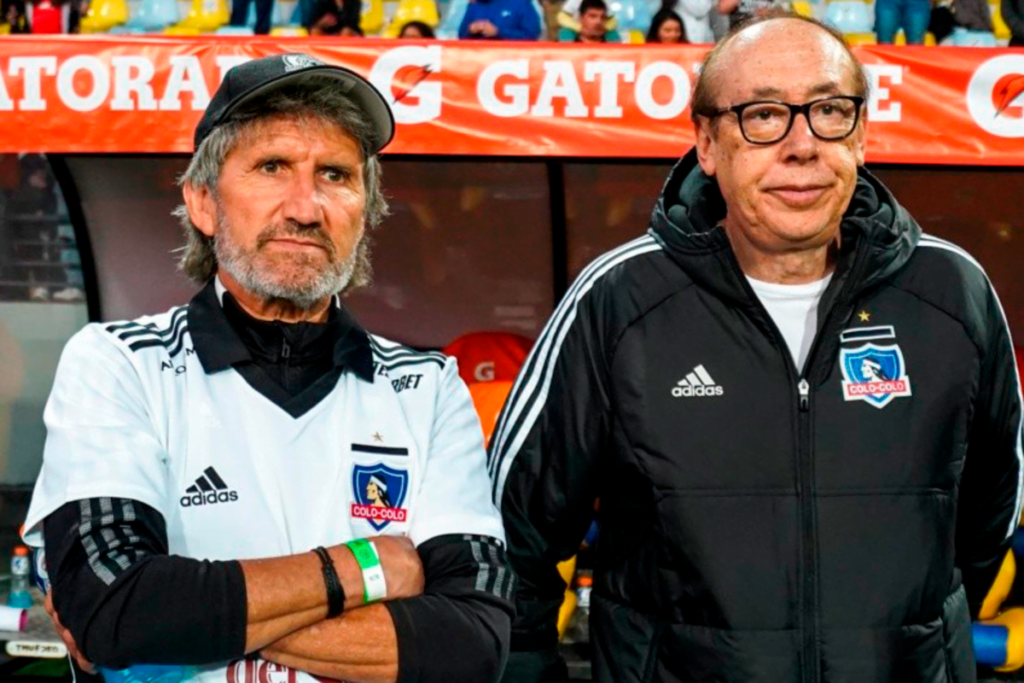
804,388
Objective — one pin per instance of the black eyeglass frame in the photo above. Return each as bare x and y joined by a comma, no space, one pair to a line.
794,109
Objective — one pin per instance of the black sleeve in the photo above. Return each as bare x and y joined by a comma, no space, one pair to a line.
989,503
458,630
126,601
321,8
544,456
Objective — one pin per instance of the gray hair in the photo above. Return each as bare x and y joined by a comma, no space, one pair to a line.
310,100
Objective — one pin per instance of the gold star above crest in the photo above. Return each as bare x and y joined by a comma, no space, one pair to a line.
864,316
377,437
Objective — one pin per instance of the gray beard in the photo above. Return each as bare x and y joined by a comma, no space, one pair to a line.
241,264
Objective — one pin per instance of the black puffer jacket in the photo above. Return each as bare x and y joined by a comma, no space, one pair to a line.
759,524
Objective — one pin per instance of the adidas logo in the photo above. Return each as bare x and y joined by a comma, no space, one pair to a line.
697,383
209,489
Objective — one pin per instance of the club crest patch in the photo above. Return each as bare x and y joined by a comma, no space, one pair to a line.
378,492
874,373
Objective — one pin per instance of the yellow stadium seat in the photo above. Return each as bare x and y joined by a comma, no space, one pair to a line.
181,31
568,570
803,8
206,16
289,31
412,10
104,15
999,26
5,29
855,39
372,18
1000,589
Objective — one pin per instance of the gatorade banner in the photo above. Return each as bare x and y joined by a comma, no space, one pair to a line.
79,94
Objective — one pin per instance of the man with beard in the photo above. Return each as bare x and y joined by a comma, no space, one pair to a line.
203,499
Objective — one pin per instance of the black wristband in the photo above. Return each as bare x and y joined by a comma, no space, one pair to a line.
335,591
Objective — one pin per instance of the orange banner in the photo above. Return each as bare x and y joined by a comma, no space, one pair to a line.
114,94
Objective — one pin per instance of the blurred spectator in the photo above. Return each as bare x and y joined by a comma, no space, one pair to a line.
593,21
973,24
912,16
739,11
666,27
335,18
1013,15
240,14
54,16
696,16
14,15
352,32
416,29
501,20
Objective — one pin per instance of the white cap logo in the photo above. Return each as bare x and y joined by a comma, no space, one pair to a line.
296,62
995,96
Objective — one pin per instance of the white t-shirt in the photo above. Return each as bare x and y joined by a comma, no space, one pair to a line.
794,308
133,414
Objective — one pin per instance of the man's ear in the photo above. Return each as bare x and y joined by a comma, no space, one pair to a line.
202,208
704,130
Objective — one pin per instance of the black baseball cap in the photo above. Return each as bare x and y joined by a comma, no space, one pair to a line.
259,77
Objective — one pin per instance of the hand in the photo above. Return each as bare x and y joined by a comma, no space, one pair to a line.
66,636
486,29
403,570
727,6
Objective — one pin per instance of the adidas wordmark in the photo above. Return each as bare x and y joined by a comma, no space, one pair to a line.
697,383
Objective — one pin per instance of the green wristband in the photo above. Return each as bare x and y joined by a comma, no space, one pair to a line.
374,586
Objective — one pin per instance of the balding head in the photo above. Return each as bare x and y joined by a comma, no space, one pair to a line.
771,34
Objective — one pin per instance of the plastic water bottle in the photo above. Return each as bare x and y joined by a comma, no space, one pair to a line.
21,573
579,629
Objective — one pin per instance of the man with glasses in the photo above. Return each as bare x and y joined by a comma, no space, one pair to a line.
799,412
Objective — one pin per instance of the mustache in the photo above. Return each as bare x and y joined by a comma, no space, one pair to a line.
310,233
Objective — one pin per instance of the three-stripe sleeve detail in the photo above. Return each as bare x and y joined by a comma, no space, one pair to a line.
492,574
530,391
109,544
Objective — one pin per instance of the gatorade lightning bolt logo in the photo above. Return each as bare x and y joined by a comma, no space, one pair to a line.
407,78
1008,96
995,96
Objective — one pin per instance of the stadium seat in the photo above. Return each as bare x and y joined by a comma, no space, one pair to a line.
153,15
234,31
929,39
102,16
372,18
631,15
412,10
289,31
999,27
849,16
205,16
488,399
489,356
803,8
855,39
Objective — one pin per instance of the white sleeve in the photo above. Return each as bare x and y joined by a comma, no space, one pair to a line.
100,439
454,496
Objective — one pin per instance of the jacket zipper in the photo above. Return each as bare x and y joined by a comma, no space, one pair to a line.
808,530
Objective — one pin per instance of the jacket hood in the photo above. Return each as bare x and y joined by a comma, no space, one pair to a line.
878,235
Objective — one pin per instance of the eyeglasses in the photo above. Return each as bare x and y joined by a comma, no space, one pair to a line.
767,122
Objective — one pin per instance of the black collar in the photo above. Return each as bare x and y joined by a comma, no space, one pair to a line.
219,346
